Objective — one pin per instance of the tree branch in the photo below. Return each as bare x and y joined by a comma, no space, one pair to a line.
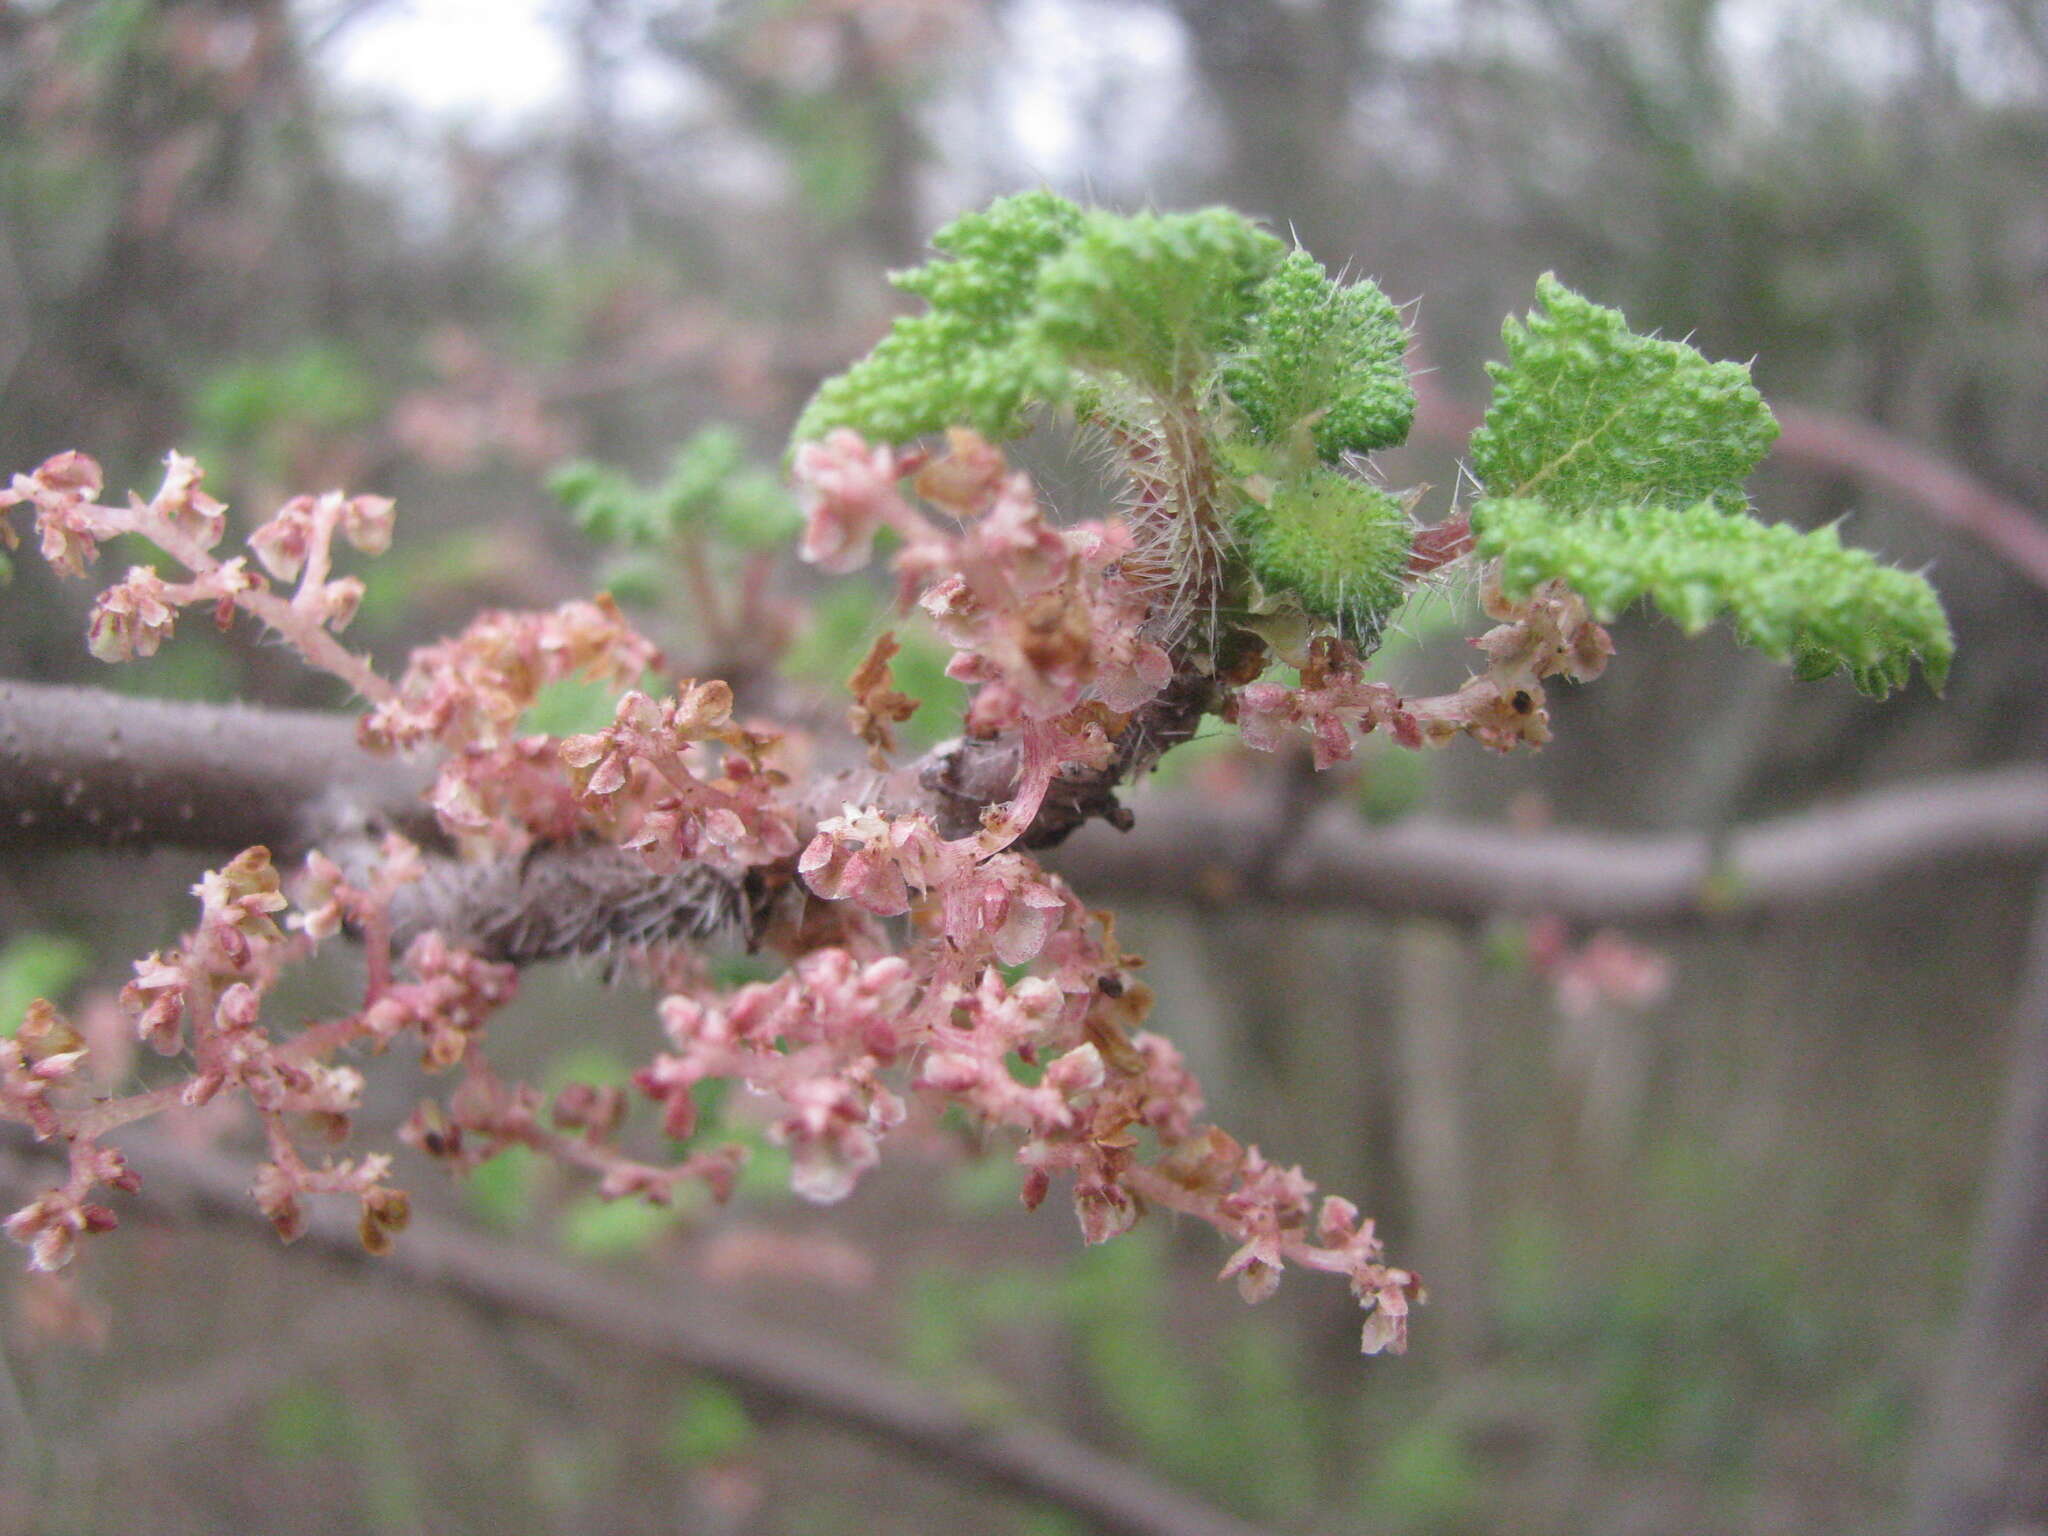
85,768
695,1333
1428,867
81,766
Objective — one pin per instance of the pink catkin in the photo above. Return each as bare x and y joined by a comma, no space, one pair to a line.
913,993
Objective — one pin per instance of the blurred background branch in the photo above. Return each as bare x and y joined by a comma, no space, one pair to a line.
691,1334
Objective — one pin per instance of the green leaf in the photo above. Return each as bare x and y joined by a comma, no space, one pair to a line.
1154,296
1587,414
754,512
1614,462
1799,597
970,359
605,504
1323,358
637,580
710,485
701,470
1031,289
1339,545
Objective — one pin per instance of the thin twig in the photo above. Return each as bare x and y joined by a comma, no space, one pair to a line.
693,1332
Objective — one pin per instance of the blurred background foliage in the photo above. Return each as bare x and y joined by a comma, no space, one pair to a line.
559,276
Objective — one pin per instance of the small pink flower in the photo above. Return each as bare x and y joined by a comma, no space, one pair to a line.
848,490
132,618
276,1192
62,490
156,997
69,476
190,510
322,896
1388,1292
869,859
338,601
1256,1268
831,1134
1105,1210
668,1080
284,541
50,1225
1078,1071
1131,674
1034,556
1265,715
1005,903
367,522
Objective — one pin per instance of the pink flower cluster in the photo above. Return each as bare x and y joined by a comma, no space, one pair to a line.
204,1001
1096,1094
956,972
1333,703
654,782
817,1038
1041,618
42,1055
500,788
981,903
449,1000
486,1114
50,1225
472,690
1550,633
1053,1057
135,616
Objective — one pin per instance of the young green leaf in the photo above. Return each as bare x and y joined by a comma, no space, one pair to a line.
1154,296
1798,597
710,486
1588,414
606,505
1323,358
1615,462
1031,289
970,359
1339,545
